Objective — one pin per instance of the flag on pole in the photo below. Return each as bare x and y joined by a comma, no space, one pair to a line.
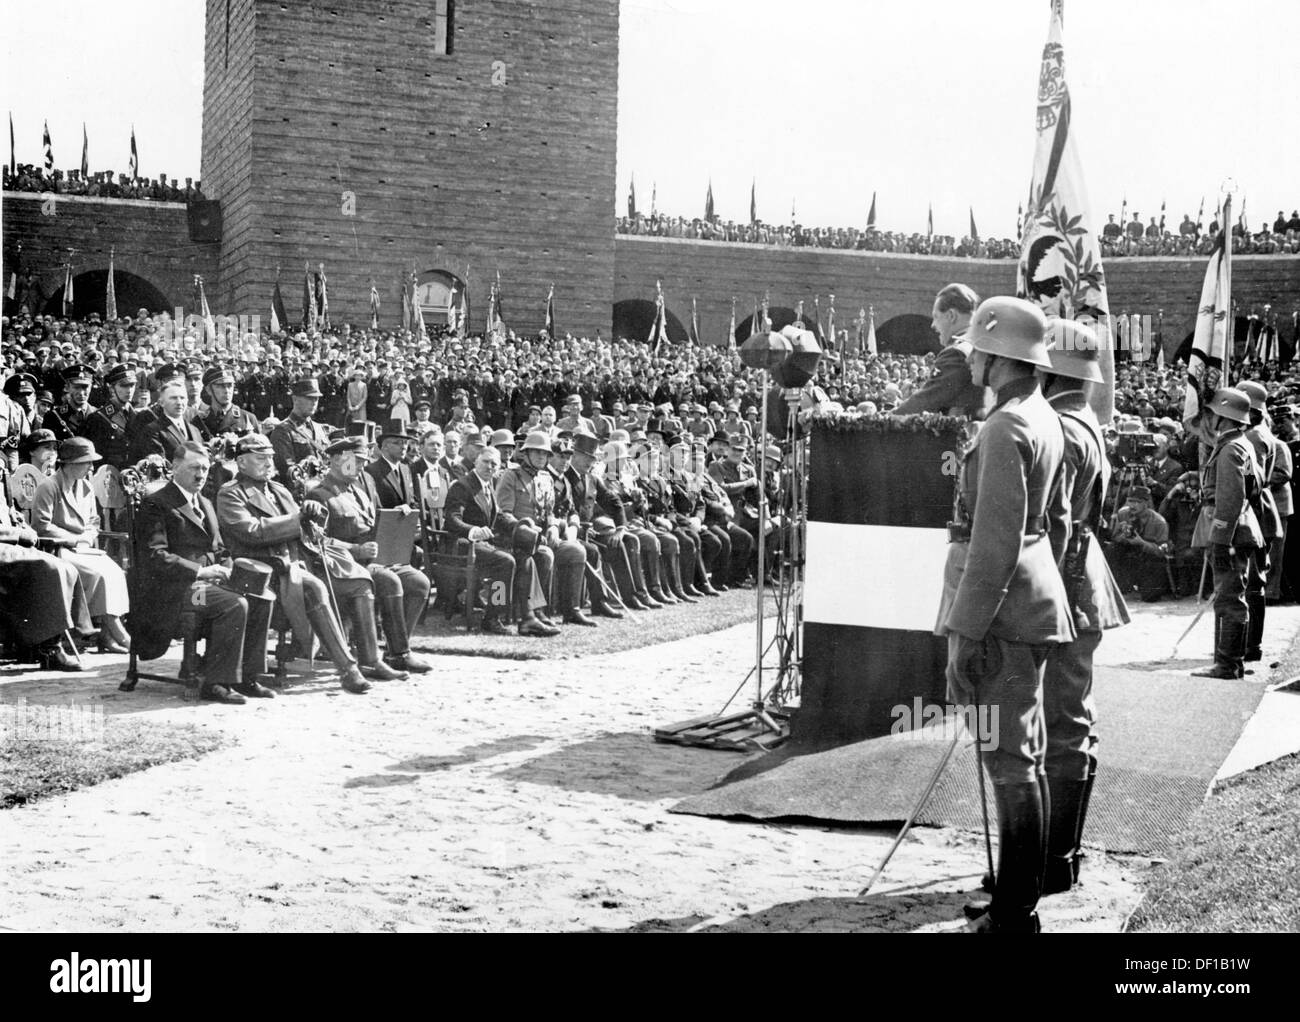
308,299
464,305
67,290
753,199
1162,218
11,289
135,158
209,324
798,314
708,203
496,317
279,318
731,328
417,311
13,159
695,323
871,213
452,307
830,325
929,222
1207,364
974,231
871,331
323,318
110,302
755,323
550,312
659,329
406,303
1020,222
793,220
49,150
1200,216
374,306
631,199
1060,257
85,151
766,307
654,190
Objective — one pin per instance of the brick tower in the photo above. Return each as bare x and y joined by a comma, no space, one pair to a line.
458,138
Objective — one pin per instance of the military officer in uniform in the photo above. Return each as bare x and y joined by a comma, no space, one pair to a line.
1275,462
222,415
14,422
1095,602
1228,526
70,418
299,436
401,591
109,429
1004,604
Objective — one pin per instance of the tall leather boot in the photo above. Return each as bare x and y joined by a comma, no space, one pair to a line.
400,657
1255,604
655,575
1021,845
327,630
671,570
1229,650
367,640
1084,799
1062,833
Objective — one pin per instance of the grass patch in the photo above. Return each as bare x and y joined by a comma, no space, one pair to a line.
35,768
636,629
1234,869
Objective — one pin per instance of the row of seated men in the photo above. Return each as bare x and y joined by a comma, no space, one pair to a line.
577,520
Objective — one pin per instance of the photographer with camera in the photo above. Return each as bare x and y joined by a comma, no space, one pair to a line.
1139,542
1179,510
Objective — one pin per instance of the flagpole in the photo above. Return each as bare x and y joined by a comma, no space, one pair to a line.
1227,276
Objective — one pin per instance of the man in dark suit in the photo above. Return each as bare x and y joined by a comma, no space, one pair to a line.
146,417
394,482
169,432
950,390
185,566
471,514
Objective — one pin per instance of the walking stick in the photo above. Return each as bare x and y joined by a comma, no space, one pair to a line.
916,811
1201,602
984,799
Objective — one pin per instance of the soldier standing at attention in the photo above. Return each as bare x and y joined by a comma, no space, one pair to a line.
1004,604
299,436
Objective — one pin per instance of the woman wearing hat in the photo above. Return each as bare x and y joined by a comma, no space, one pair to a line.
65,513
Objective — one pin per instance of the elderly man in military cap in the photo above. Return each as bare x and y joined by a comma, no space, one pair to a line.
299,436
222,415
70,418
401,591
1004,604
260,519
526,507
1228,526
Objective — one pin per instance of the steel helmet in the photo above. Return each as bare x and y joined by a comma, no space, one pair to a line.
1073,351
1012,328
1256,392
1231,403
537,441
503,438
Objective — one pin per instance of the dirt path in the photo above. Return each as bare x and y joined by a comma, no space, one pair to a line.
487,795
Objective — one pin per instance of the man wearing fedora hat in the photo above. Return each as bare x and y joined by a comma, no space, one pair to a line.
222,415
1004,603
401,591
185,564
299,436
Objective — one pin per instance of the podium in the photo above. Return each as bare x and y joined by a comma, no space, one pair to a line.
880,495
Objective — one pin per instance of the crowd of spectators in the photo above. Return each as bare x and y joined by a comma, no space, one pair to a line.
28,178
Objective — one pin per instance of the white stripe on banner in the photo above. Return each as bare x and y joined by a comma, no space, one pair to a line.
874,576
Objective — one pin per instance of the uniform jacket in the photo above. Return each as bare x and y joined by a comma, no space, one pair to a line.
177,542
354,509
294,440
950,390
65,422
1265,444
1226,515
259,520
591,497
1005,581
233,420
522,493
1279,481
109,429
1095,599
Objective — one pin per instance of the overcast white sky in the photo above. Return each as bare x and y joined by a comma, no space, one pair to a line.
823,101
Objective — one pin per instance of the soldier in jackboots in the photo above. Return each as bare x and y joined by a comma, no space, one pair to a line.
1004,604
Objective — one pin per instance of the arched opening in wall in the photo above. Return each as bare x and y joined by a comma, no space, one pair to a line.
781,317
635,317
908,334
90,294
434,290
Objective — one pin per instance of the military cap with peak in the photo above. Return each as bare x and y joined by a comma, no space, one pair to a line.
307,387
218,374
347,445
252,443
79,375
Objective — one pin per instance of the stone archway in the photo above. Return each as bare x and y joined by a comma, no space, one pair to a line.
90,294
432,292
634,318
908,334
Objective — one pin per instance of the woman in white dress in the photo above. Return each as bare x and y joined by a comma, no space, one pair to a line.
399,400
357,392
65,513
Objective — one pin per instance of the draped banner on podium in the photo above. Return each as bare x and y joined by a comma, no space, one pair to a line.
879,500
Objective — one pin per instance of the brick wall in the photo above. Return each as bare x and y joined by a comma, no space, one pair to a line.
149,239
499,156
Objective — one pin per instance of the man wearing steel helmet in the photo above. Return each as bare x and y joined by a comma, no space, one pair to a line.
1004,604
1228,526
1095,602
1275,460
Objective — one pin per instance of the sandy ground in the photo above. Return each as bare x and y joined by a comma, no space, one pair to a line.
487,795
